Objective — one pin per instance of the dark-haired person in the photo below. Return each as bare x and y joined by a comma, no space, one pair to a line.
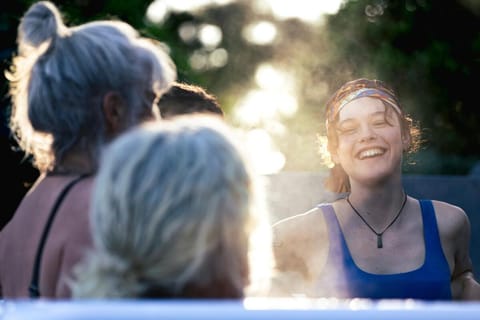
184,98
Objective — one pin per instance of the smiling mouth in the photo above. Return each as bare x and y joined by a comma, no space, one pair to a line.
370,153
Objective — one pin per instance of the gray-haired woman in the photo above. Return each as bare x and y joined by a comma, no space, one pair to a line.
73,90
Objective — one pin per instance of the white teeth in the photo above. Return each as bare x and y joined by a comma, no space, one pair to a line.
370,153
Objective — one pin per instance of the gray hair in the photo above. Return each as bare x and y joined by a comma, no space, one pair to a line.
174,208
60,75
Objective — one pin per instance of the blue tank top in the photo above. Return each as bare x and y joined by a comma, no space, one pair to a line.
342,278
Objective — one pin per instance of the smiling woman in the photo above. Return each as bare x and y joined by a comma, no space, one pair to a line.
375,241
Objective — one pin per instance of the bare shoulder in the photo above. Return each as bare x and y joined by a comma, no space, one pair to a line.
454,228
299,244
298,228
450,218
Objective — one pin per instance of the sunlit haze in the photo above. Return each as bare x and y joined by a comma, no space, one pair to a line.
307,10
272,97
261,33
210,35
323,151
187,32
159,10
267,158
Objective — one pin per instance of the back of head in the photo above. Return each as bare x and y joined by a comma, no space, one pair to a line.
173,210
61,75
184,98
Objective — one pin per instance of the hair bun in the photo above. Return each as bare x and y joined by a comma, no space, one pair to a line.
39,24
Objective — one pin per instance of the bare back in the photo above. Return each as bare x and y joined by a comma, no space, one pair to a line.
67,241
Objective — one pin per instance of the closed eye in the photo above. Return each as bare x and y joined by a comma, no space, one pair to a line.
379,123
347,127
379,120
346,131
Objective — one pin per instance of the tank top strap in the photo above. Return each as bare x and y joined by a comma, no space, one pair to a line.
34,287
338,250
433,245
430,232
334,279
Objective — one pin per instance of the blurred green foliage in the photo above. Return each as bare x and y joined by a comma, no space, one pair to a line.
428,50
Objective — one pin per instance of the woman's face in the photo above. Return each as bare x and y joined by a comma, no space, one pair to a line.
370,143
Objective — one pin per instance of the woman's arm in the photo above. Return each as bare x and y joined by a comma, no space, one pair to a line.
463,283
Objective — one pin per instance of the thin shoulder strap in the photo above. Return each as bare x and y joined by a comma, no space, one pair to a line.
430,228
337,244
34,289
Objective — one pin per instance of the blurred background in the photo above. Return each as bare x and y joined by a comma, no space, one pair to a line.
273,63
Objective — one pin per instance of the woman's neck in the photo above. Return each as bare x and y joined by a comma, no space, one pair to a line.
74,163
379,202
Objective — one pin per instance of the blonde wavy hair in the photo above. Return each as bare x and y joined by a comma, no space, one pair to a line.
174,213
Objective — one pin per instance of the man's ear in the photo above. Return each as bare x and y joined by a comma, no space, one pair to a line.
114,111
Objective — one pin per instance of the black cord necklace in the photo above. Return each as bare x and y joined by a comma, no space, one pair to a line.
379,234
